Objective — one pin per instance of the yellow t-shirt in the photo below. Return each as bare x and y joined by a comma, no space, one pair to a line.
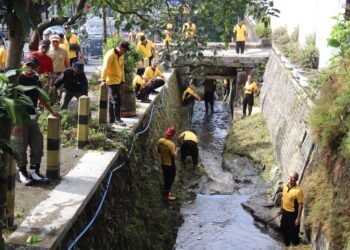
189,29
113,68
60,59
249,88
189,136
167,151
138,81
187,93
138,36
240,32
289,197
151,74
3,57
72,40
145,49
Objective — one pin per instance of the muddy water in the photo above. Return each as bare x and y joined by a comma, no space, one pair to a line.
216,219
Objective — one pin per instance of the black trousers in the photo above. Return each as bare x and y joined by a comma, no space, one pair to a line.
240,45
114,100
144,93
156,83
248,100
209,99
289,231
189,148
169,173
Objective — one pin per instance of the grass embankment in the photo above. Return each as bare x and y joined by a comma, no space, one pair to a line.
327,181
249,137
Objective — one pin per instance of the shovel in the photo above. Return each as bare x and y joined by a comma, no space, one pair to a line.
269,220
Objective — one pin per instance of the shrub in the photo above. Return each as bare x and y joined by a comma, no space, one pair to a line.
330,117
280,36
310,57
292,50
262,31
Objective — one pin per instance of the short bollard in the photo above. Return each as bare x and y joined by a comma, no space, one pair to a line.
102,111
145,62
83,121
53,147
11,182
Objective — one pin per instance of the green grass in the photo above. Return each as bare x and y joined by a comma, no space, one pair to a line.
327,196
250,137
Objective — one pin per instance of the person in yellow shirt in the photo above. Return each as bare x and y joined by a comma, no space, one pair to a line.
190,94
3,55
146,47
291,209
168,151
138,36
153,76
142,90
250,88
189,147
112,75
240,33
73,45
189,29
168,41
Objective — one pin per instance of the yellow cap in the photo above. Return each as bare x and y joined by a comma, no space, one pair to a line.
169,26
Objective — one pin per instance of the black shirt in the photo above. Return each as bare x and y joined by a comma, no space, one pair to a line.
32,94
72,81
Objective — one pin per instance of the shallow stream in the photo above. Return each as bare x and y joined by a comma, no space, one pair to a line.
215,220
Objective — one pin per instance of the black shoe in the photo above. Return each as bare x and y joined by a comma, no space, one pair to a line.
243,116
37,177
146,101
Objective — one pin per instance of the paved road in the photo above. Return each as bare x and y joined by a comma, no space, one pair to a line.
93,66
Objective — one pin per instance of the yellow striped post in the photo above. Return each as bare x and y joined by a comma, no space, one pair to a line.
11,182
102,111
145,62
53,147
83,121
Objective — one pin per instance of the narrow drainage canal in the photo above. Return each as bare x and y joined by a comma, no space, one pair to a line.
215,220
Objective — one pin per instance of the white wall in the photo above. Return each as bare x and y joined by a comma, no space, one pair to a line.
311,16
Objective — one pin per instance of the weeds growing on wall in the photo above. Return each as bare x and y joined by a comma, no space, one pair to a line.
307,57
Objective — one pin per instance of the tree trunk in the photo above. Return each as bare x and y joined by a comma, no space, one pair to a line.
16,43
104,24
5,133
347,10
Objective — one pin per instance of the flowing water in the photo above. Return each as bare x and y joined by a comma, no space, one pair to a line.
215,220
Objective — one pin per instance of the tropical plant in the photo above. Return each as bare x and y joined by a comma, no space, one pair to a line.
132,57
13,104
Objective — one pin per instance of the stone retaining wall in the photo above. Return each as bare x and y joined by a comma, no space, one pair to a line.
285,105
